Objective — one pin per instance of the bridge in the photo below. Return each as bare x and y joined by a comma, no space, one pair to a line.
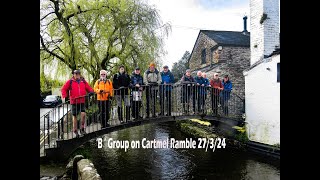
148,104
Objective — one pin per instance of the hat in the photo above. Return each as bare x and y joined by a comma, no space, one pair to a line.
77,71
165,66
137,68
152,64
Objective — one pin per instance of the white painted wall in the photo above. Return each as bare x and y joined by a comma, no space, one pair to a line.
263,37
263,102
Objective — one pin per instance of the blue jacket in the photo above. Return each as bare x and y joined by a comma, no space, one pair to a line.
227,87
136,79
200,80
168,78
206,82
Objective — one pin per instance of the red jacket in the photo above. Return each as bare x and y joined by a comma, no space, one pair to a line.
76,90
215,84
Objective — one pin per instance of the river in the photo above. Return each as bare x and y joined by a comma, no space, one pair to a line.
169,163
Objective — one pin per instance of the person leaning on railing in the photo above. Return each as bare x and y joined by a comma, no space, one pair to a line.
227,87
206,85
200,90
104,89
76,88
136,86
121,82
152,79
217,87
165,90
187,82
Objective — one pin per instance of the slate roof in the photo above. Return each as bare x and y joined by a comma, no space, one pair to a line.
232,38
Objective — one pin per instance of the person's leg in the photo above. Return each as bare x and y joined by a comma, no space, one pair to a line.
83,117
154,102
127,104
162,100
100,111
215,105
107,112
148,99
75,125
194,95
212,100
119,104
169,102
134,110
152,98
74,118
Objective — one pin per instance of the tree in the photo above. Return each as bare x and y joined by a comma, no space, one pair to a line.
101,34
179,68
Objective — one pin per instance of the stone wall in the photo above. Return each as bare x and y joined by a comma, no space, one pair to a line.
202,42
232,61
80,168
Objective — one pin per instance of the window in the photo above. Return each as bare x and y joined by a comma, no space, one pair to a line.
203,56
278,72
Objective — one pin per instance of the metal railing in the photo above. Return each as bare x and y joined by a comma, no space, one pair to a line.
131,104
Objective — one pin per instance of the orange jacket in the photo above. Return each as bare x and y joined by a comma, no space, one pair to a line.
106,86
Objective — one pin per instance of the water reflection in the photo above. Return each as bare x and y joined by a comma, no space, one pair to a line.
176,163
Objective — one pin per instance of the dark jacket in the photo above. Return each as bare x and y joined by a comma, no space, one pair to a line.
187,80
187,89
200,80
206,82
136,79
121,80
227,87
167,78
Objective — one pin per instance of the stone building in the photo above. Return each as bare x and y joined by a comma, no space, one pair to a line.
262,78
224,52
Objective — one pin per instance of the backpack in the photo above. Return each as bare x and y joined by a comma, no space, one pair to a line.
70,87
107,80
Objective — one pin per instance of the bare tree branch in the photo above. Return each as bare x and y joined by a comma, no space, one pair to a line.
50,52
46,15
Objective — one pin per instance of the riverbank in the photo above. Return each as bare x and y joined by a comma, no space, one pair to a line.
196,128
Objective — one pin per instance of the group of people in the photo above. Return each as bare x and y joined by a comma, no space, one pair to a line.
128,90
198,87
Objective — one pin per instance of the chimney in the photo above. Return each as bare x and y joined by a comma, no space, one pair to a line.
245,25
264,28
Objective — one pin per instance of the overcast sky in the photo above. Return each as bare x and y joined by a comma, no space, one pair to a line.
187,17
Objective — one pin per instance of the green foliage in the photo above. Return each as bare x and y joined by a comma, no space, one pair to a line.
47,83
179,68
101,34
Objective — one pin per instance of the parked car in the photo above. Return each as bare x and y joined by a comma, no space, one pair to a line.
52,101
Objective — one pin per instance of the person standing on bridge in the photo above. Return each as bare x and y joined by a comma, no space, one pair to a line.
206,87
152,78
187,88
200,90
136,86
217,87
227,87
104,89
121,82
76,89
165,90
